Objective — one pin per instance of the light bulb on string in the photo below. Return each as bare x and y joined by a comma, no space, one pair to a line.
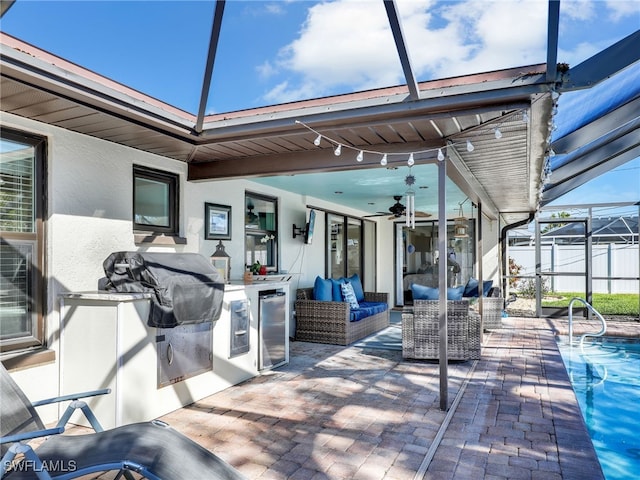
440,155
497,133
316,142
360,156
338,150
525,117
470,147
411,161
383,160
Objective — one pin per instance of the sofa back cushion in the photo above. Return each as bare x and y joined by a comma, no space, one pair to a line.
322,290
471,288
355,282
421,292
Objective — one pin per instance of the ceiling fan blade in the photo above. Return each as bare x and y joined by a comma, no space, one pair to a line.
422,214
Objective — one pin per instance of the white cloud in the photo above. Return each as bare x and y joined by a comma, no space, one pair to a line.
346,46
624,8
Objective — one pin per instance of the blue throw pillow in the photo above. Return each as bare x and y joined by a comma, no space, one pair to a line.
322,290
336,290
349,295
455,293
471,288
421,292
355,282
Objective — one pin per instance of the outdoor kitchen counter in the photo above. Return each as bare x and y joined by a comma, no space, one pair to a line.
105,342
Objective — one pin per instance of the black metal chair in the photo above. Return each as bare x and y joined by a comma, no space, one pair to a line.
152,450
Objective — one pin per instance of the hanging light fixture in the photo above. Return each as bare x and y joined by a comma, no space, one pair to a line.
338,150
316,142
410,209
460,224
440,155
360,156
383,160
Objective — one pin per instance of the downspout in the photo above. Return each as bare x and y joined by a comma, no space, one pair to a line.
503,248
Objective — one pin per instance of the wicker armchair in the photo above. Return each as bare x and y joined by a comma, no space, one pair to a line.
329,322
421,336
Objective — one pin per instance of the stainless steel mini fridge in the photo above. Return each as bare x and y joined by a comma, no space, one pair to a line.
271,329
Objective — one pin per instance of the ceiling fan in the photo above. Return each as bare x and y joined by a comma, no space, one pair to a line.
398,210
250,217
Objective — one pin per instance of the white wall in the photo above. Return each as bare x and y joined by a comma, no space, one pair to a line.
90,200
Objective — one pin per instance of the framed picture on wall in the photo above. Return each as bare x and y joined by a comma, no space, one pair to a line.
217,222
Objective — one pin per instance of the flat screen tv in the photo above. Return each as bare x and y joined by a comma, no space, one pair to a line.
308,234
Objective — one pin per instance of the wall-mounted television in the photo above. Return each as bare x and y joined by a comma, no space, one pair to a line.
308,234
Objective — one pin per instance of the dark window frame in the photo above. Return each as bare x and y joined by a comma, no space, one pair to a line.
37,267
254,235
172,180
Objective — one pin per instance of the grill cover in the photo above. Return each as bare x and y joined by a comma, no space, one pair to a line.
185,286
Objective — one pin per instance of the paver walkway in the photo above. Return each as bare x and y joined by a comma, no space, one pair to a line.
351,413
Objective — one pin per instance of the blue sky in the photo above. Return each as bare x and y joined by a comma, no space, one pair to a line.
279,51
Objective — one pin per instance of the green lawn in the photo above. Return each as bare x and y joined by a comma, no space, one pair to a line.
606,304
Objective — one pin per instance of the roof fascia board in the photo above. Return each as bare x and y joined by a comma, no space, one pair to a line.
598,129
284,128
557,190
401,47
359,111
67,84
603,65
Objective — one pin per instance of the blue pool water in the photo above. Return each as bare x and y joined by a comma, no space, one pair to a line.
605,374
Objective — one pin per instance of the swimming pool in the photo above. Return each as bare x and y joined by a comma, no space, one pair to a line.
605,374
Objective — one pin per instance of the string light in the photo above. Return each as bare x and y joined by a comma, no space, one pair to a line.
411,160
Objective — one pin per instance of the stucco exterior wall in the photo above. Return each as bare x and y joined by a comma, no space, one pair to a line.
90,204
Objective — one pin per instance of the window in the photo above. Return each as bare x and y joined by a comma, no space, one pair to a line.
344,252
21,245
155,201
261,231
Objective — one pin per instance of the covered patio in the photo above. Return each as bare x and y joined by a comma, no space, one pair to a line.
364,413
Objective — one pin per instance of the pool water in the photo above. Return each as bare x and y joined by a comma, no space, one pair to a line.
605,374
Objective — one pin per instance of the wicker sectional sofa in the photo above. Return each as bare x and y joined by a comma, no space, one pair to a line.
421,331
322,321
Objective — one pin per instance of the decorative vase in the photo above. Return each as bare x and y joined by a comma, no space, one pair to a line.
248,277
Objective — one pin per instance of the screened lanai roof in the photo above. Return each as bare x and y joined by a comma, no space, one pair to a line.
420,98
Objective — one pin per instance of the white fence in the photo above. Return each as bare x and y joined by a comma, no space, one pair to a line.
610,261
